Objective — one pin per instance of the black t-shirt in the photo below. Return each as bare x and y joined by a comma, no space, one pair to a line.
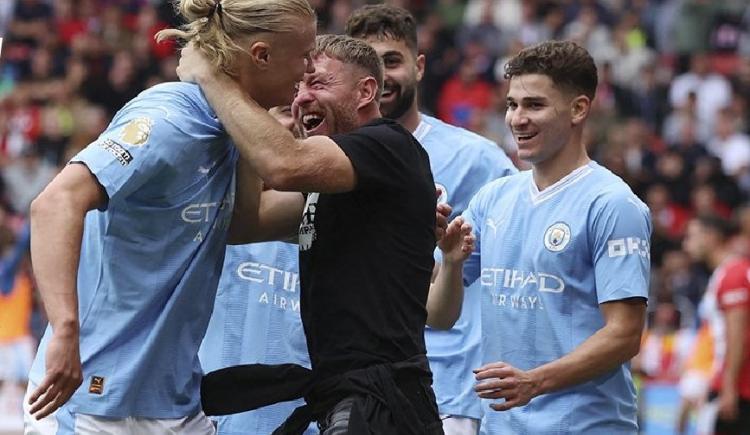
366,256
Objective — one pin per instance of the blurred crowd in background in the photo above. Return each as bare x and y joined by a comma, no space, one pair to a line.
671,116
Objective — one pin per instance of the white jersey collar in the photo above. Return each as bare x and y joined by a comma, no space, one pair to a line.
576,175
422,129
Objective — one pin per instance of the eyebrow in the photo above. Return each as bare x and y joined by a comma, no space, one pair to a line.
532,99
323,77
392,53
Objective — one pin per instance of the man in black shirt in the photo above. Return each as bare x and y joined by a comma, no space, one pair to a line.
366,235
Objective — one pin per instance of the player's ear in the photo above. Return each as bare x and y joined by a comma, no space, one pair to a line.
420,67
368,91
260,54
579,109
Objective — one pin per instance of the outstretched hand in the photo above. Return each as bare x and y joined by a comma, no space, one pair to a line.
458,242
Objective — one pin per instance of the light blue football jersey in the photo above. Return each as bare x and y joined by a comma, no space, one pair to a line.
545,261
151,258
256,319
461,163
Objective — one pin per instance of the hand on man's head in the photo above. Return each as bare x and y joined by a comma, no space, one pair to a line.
193,65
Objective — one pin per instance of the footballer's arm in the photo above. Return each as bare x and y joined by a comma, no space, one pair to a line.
611,346
57,217
259,215
315,164
446,293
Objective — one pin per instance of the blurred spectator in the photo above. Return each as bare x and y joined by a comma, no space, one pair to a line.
671,171
26,177
648,98
629,53
123,83
638,151
451,13
485,32
731,146
727,302
669,217
744,44
506,14
552,21
686,144
7,8
68,21
590,32
464,93
684,283
30,24
23,121
692,25
57,125
705,202
16,343
708,171
682,126
712,90
610,96
694,384
683,120
664,345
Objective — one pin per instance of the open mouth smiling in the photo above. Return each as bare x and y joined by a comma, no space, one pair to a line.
312,120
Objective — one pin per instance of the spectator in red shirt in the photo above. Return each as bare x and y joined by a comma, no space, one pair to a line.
464,94
708,239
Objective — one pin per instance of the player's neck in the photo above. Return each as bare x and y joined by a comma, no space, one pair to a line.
368,113
246,83
552,170
410,120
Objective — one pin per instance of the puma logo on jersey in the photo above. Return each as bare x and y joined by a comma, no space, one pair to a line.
96,386
494,224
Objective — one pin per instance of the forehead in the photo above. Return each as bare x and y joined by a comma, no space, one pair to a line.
325,66
303,38
532,86
383,45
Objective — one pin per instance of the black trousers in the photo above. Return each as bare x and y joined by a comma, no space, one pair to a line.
337,420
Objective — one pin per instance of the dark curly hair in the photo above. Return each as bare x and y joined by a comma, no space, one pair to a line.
383,22
568,64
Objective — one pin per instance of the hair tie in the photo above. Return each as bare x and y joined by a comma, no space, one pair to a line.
217,9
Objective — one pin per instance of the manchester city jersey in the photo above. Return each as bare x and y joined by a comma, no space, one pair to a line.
461,163
256,319
151,258
544,262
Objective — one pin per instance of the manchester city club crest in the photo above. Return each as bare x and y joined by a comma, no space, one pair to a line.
557,236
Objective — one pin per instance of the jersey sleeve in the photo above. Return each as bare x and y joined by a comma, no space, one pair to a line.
621,233
734,288
139,143
382,156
